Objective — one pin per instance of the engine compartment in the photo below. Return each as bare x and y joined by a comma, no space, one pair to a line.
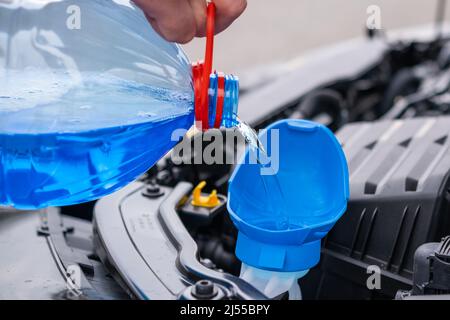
389,106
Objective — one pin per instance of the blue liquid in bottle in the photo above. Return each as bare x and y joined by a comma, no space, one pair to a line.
59,153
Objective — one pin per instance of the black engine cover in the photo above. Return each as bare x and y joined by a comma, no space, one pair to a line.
400,194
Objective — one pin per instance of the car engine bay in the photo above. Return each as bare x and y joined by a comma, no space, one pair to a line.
387,101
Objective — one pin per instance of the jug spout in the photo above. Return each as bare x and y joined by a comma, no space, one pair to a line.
220,107
223,100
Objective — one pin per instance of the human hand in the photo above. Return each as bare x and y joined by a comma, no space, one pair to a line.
182,20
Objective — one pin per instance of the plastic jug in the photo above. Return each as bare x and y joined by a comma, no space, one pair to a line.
89,98
279,234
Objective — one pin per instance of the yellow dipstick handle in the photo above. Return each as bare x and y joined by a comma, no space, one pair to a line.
209,201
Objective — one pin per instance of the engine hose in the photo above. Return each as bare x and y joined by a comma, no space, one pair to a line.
404,82
214,250
324,101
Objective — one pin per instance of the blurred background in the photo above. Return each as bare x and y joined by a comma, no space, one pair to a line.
277,31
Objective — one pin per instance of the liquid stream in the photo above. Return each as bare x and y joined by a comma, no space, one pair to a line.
278,220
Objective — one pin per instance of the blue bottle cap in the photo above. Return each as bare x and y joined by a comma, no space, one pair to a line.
283,215
229,107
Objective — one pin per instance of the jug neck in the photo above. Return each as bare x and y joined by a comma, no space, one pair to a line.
216,101
215,94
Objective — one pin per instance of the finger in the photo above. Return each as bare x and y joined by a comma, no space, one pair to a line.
153,23
227,11
174,20
199,9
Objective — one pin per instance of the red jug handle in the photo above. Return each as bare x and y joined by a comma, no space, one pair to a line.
201,72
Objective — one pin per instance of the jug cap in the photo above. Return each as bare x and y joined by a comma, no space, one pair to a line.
215,94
